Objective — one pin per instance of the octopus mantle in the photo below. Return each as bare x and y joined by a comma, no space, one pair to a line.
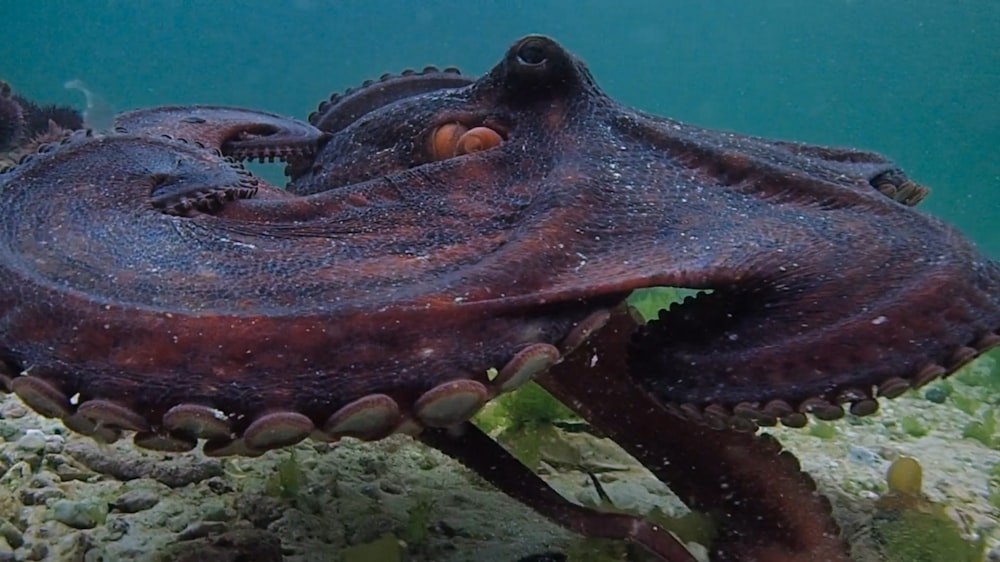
444,239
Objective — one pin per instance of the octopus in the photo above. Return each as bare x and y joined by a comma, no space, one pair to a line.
443,239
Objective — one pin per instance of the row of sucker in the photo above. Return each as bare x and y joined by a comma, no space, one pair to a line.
857,401
369,417
40,150
186,198
342,109
772,447
237,133
895,185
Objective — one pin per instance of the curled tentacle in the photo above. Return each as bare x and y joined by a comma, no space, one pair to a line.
342,110
345,108
241,134
767,508
798,359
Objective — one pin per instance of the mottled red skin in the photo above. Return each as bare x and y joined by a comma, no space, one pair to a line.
399,272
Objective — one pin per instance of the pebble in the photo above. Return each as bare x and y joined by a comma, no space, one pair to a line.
39,496
11,534
201,529
863,456
8,431
936,395
83,514
136,500
32,441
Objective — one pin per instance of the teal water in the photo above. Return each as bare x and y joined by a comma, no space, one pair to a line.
916,80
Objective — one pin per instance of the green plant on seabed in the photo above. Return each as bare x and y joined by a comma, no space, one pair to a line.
910,528
984,429
386,548
417,527
912,426
287,480
517,417
822,429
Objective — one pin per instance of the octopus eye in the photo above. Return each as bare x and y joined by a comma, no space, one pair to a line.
455,139
532,52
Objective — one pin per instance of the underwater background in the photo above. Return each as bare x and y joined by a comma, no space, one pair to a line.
918,80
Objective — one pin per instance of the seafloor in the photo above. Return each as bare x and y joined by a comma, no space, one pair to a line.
67,498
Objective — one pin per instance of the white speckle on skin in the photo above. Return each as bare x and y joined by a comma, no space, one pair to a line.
880,320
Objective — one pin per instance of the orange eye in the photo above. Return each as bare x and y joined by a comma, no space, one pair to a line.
455,139
476,139
445,140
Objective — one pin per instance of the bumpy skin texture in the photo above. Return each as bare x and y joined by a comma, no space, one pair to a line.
168,291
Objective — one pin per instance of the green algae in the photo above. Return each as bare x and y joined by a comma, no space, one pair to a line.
966,404
912,426
417,527
288,478
908,527
822,429
924,536
984,429
386,548
982,373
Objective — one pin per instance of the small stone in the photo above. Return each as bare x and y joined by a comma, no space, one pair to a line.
83,514
54,444
390,487
201,529
9,431
136,500
34,551
72,546
13,410
6,552
39,496
215,512
129,465
11,534
370,489
936,395
116,527
863,456
44,479
32,441
218,485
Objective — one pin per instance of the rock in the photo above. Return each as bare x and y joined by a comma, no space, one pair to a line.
32,441
260,511
11,534
175,471
136,500
34,551
201,529
83,514
233,546
6,552
39,496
